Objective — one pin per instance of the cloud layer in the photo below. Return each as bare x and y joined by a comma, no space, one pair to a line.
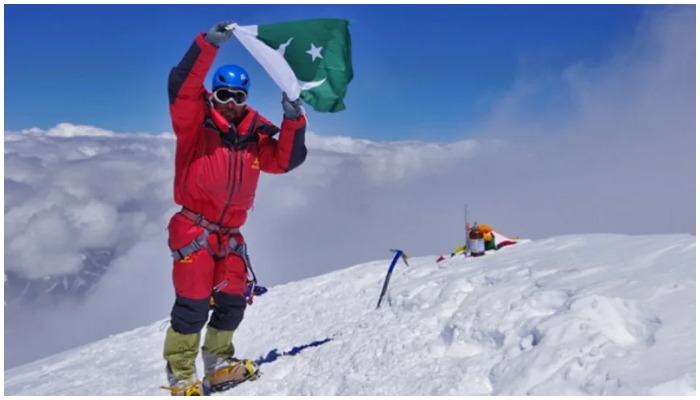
618,156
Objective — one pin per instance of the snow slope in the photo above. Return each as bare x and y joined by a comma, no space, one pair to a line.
569,315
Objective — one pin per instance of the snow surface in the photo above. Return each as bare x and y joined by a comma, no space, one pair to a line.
570,315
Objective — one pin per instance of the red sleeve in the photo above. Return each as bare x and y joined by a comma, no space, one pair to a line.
186,88
282,155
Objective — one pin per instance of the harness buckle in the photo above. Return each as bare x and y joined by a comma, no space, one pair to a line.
198,220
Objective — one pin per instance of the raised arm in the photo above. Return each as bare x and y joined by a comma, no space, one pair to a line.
289,151
186,81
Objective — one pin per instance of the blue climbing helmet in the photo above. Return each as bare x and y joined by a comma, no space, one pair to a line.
231,76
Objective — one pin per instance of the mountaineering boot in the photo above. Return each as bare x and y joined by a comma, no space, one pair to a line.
180,351
222,371
184,387
227,373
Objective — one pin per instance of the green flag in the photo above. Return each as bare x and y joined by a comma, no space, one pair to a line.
311,59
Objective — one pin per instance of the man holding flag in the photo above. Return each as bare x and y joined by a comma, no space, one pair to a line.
222,145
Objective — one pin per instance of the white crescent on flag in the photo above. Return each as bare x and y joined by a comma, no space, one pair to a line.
302,85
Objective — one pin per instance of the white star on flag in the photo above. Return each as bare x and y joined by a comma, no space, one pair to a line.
314,52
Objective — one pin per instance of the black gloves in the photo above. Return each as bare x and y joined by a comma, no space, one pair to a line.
292,109
219,33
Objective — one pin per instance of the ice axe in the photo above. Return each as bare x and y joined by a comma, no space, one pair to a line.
399,254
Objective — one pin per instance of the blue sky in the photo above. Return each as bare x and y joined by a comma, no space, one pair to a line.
421,72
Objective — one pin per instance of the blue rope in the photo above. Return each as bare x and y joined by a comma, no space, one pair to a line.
274,354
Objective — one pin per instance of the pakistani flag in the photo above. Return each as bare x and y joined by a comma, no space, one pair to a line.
310,59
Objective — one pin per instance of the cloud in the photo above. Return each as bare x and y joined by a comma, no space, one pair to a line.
70,193
617,156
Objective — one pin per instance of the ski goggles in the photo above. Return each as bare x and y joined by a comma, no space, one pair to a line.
237,96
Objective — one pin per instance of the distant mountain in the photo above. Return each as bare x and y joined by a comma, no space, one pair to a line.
44,292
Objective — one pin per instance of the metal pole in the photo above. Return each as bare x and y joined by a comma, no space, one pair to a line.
466,229
398,254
